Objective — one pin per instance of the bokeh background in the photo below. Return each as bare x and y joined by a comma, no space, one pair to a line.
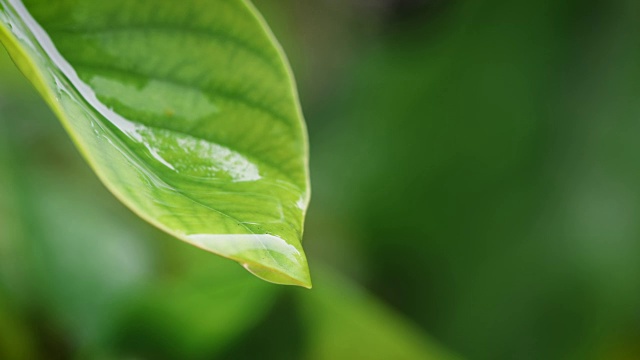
476,195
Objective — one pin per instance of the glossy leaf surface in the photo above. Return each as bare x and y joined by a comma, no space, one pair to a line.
188,113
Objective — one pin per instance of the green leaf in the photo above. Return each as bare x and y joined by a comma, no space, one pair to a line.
196,312
188,113
345,322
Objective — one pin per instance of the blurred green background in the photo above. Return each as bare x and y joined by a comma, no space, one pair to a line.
476,194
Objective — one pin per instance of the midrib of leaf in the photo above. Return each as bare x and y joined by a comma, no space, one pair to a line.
69,75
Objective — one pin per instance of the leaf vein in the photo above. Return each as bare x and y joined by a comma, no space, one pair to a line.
173,29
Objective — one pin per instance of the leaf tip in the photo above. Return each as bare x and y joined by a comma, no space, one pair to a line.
297,277
268,257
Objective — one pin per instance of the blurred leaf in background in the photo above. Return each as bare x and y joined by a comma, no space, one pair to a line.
345,323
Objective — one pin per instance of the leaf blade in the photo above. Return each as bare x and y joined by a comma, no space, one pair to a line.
211,151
